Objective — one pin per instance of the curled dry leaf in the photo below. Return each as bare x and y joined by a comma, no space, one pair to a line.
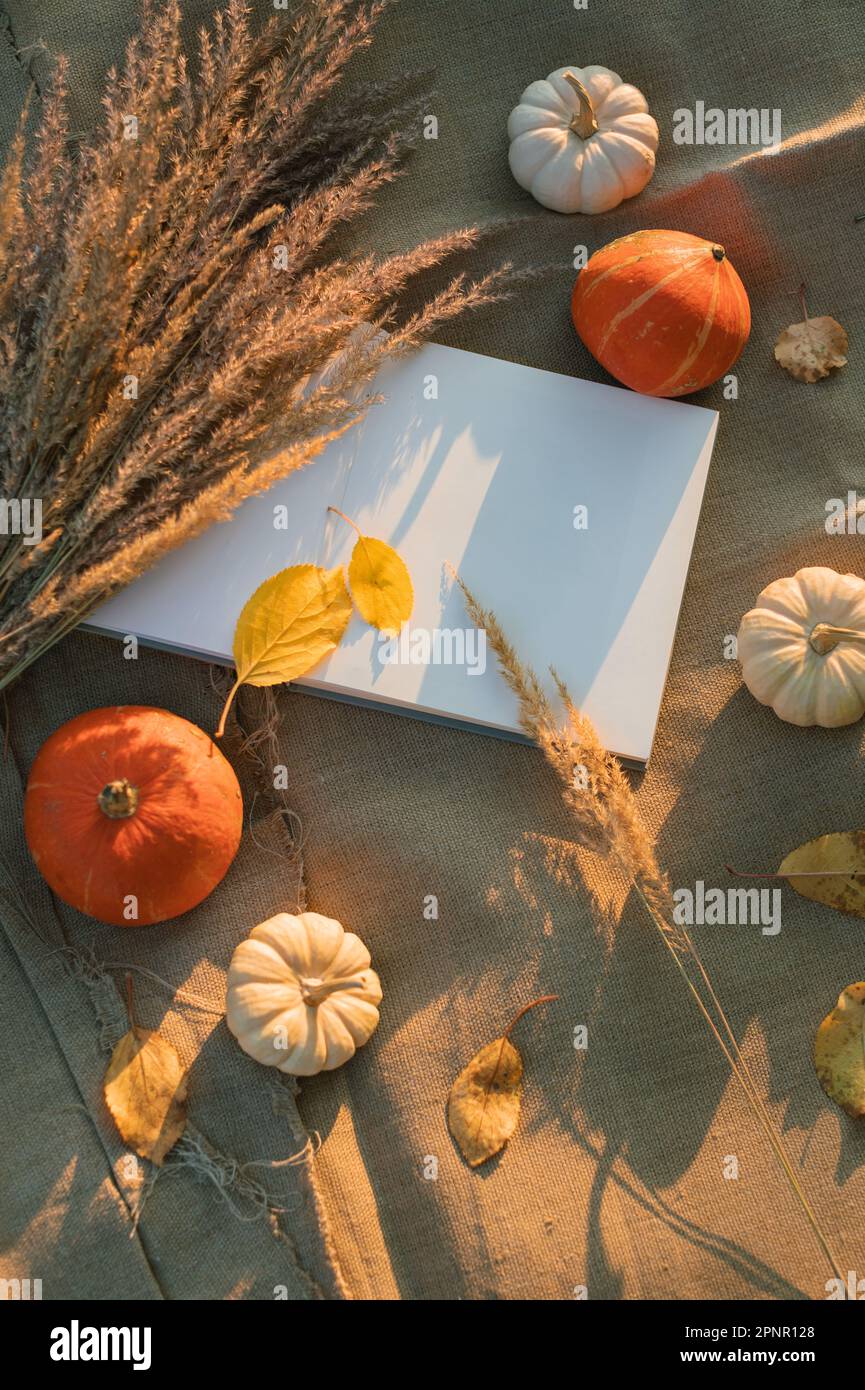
809,350
839,1051
484,1102
290,623
145,1090
380,582
830,870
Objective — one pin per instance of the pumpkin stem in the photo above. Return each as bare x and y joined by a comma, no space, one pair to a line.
718,252
118,800
314,992
583,123
825,637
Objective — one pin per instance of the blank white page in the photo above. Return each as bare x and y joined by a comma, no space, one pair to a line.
483,464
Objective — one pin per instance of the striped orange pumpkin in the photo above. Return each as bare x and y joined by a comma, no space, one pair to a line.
664,312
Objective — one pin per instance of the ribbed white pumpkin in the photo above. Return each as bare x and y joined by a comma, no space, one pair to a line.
802,648
301,996
582,140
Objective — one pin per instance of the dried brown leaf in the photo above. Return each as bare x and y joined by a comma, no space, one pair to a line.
839,1051
809,350
842,856
484,1103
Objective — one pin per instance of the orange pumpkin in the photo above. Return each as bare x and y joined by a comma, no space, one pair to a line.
664,312
131,814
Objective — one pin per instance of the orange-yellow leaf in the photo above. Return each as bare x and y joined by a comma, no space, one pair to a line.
145,1090
380,585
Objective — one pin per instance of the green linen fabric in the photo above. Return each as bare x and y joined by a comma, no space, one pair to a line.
619,1182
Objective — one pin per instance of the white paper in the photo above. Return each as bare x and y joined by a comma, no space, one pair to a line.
480,463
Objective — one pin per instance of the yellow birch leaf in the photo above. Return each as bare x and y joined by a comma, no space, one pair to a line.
484,1103
380,585
842,856
145,1090
839,1051
290,623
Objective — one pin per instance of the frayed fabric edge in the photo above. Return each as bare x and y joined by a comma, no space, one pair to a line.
243,1193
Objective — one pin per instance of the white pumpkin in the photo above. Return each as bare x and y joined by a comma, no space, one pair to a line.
301,995
582,141
802,648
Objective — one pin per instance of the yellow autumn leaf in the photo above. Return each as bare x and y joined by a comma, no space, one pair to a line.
839,1051
380,582
290,623
830,870
484,1103
380,585
145,1090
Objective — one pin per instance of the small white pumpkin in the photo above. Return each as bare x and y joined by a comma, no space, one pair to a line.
301,995
583,140
802,648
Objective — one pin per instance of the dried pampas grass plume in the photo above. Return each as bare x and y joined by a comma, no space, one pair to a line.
606,819
168,288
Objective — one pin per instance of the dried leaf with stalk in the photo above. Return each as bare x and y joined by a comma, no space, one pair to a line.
839,1051
170,296
829,869
146,1090
484,1101
811,349
381,586
291,621
607,820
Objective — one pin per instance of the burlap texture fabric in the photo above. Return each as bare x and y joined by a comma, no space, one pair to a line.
615,1183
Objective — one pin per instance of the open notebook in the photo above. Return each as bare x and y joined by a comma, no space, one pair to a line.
568,507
